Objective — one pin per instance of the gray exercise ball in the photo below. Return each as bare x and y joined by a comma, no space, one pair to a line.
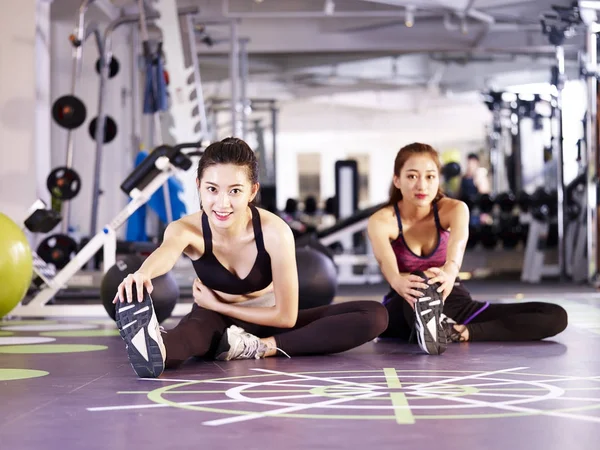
317,278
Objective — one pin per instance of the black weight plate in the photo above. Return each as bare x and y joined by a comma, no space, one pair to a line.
110,129
57,249
69,112
113,67
63,183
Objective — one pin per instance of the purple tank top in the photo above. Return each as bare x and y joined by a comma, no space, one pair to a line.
409,261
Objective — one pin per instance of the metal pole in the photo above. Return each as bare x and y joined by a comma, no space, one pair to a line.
273,160
245,104
591,156
77,39
558,151
234,74
105,59
516,147
136,130
495,148
197,79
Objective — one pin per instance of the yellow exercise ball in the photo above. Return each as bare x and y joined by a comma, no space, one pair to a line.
16,265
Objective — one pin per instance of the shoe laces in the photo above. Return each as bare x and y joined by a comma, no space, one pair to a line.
253,346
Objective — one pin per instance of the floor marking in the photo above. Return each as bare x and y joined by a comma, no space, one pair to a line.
407,397
286,410
553,380
489,394
329,380
200,402
468,377
508,407
257,391
399,401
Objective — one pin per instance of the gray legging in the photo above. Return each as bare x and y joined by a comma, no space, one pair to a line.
326,329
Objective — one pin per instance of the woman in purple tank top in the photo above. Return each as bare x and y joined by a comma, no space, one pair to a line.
419,239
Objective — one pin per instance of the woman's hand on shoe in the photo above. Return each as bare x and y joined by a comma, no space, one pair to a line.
125,289
445,277
408,287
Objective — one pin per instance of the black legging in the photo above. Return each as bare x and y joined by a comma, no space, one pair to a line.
526,321
326,329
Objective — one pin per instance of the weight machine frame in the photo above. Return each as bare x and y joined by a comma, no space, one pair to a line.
106,55
140,185
589,15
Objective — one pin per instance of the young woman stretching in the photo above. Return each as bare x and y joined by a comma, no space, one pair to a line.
246,294
419,241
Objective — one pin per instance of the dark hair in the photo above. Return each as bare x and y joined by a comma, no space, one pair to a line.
473,156
229,151
234,151
403,155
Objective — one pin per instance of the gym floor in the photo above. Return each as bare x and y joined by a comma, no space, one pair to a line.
67,384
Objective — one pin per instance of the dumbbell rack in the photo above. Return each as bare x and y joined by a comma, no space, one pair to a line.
140,185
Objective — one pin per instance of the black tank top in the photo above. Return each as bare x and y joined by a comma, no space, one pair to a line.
214,276
467,187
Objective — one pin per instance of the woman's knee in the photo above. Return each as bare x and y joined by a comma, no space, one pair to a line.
378,318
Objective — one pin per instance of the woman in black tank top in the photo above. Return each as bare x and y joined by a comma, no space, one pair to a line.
239,252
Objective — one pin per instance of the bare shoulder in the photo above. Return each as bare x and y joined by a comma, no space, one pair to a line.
185,229
192,223
382,217
447,204
187,232
451,208
382,225
275,230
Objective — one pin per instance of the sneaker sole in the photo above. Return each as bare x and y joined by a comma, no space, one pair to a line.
425,311
133,320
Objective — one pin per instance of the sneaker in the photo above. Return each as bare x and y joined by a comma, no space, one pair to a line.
139,329
431,335
238,344
452,335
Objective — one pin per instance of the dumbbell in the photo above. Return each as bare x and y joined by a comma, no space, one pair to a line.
511,232
506,201
524,201
486,203
474,233
544,204
469,200
488,237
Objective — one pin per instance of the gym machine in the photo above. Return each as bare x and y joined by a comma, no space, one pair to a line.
147,178
103,131
558,230
590,71
563,23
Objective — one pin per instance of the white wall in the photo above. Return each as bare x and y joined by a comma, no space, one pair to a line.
24,104
336,130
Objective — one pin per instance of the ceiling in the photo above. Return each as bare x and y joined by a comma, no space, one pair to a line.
308,48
